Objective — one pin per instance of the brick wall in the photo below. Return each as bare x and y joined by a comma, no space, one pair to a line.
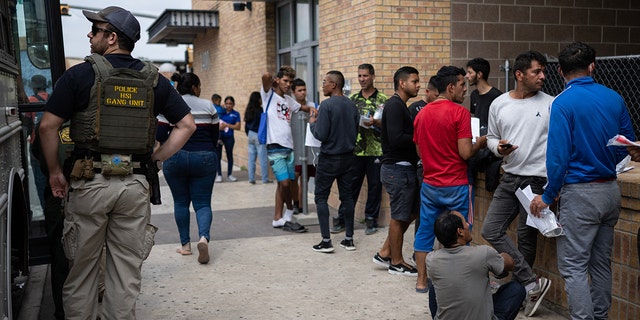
388,34
501,29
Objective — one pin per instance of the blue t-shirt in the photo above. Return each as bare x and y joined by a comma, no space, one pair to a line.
230,117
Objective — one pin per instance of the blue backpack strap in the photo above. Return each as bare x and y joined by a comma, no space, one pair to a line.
269,102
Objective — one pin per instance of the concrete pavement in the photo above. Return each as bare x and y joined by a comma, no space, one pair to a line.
258,272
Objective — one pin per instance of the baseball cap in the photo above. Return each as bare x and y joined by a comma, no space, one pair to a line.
119,18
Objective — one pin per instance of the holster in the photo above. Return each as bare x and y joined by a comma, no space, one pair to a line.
151,173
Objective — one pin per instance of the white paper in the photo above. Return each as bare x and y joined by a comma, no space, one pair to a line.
364,119
620,140
475,128
547,223
310,140
622,165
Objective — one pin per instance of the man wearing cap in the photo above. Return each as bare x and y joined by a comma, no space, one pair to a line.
105,191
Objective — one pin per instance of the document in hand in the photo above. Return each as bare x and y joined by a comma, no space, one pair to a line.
547,223
475,128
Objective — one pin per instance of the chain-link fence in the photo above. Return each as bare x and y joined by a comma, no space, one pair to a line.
621,74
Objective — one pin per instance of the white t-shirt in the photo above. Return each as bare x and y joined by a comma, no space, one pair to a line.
279,114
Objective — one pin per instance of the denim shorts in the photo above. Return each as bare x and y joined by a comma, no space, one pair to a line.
282,164
434,201
401,184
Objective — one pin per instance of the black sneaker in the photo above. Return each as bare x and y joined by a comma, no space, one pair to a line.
348,245
371,227
294,227
323,246
382,261
402,269
338,225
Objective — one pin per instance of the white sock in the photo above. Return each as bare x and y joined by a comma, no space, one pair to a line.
288,214
278,223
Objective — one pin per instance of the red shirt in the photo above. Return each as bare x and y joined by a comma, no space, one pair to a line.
437,129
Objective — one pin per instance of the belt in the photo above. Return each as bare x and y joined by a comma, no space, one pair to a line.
135,171
603,180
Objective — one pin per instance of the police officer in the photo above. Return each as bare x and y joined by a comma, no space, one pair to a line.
112,100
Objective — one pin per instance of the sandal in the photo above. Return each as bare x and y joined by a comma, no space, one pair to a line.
184,250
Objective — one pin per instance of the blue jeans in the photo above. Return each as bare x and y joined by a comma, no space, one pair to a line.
330,168
190,176
228,143
260,151
368,166
506,301
588,213
504,208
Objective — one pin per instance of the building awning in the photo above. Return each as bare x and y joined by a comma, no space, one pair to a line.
175,27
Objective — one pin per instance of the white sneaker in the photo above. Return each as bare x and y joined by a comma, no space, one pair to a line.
232,178
535,296
219,179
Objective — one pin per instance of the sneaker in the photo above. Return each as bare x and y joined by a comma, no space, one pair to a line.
536,295
294,227
382,261
371,227
323,246
268,181
338,226
348,245
402,269
252,182
296,209
232,178
219,179
337,229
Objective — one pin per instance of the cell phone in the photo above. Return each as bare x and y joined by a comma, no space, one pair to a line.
506,145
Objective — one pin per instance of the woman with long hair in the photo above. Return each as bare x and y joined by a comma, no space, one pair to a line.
256,150
190,173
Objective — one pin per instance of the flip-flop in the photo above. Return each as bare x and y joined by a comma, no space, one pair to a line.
183,252
423,290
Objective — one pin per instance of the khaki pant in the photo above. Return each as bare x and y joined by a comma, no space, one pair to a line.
112,211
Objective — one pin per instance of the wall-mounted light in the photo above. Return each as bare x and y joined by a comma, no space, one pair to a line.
239,6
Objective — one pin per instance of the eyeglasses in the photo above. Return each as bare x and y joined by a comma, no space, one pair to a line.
95,29
326,82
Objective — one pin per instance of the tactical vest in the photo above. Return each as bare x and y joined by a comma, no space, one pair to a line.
119,118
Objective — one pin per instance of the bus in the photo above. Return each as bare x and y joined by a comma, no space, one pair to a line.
31,55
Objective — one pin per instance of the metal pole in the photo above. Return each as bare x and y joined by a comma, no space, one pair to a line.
506,75
303,161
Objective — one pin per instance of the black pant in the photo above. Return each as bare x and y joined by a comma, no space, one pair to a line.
330,168
368,166
54,221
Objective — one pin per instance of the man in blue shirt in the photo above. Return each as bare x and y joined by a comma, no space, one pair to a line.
581,170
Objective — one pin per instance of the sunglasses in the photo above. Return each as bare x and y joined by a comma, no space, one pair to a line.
95,29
